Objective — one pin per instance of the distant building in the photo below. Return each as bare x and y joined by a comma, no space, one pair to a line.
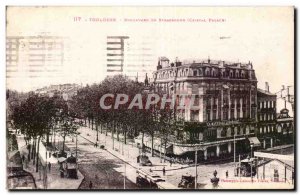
274,170
266,117
66,91
226,96
285,127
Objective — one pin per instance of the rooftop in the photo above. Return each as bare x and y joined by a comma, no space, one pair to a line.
264,92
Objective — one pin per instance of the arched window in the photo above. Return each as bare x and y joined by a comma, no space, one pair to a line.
223,132
238,131
242,74
231,74
213,72
200,72
228,132
279,129
237,75
195,73
207,72
232,132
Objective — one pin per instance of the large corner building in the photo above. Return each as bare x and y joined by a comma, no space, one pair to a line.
226,96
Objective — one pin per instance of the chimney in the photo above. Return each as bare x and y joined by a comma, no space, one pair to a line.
267,87
221,63
158,67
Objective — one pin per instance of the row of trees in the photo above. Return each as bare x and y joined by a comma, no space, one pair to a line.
154,121
38,117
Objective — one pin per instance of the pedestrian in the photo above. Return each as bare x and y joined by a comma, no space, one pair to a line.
227,174
164,171
49,166
23,158
91,185
171,163
61,173
150,170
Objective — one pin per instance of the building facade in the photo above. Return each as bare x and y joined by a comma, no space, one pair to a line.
285,128
266,118
226,98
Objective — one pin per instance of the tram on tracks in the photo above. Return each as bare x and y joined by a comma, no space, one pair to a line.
147,179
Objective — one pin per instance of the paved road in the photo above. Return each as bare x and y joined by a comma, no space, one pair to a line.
205,172
103,169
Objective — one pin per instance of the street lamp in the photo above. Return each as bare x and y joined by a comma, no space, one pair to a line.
234,150
196,178
251,162
124,174
76,145
251,150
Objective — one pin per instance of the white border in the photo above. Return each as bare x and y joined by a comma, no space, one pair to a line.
3,4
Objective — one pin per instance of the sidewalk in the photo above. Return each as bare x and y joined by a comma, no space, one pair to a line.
126,152
54,181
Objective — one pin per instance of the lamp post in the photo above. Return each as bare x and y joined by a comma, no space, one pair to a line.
45,173
124,175
251,150
196,177
251,162
234,157
97,131
76,146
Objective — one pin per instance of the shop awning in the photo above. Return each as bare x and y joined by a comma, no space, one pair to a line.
225,86
254,141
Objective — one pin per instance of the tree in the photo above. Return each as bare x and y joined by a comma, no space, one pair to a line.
33,117
68,127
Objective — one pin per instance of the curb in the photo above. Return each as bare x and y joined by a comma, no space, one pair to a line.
81,180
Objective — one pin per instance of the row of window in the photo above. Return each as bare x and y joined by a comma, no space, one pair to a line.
229,132
212,72
267,104
212,115
266,117
225,132
266,129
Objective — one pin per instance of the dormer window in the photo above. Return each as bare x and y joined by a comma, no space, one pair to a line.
242,74
200,72
195,73
207,72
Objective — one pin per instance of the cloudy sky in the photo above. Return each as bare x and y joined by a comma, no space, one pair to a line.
264,36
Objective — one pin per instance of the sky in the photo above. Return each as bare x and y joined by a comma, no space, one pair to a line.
262,35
